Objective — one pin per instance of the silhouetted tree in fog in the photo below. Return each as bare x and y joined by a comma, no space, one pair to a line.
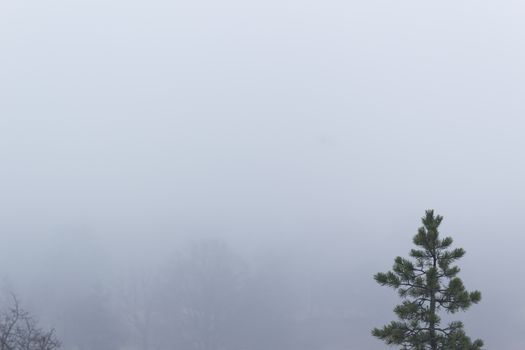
204,294
90,322
140,309
428,285
206,298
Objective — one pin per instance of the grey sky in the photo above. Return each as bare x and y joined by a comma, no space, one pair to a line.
315,128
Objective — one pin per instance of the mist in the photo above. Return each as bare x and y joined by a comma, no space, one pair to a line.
257,162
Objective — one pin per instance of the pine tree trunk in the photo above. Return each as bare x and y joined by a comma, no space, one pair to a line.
432,324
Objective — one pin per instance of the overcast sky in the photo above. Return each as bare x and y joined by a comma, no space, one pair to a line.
317,128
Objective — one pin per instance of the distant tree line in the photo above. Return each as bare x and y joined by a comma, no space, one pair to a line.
206,297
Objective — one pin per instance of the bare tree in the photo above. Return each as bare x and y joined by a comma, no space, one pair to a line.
19,330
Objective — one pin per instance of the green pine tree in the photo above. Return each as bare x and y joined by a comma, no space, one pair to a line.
428,285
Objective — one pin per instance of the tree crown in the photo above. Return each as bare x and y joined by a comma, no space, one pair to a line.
428,285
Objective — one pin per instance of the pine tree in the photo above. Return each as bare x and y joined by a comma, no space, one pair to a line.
428,285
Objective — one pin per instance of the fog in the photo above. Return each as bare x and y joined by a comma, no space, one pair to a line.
256,161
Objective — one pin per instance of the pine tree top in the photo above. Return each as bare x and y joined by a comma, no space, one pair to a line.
428,285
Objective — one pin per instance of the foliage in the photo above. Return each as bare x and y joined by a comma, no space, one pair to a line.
428,285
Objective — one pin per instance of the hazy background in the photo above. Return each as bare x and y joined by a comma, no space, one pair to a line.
304,138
